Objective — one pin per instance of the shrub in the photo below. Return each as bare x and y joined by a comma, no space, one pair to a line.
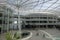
9,36
16,35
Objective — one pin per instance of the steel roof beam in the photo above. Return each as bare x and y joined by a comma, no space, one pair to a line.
56,7
42,5
30,3
52,5
24,2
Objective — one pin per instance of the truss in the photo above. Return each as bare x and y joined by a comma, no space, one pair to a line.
34,4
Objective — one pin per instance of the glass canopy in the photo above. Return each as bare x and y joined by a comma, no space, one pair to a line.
37,4
41,5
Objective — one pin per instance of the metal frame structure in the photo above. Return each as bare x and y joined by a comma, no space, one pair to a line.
52,4
29,5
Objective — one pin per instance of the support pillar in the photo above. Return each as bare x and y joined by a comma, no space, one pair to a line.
2,24
46,26
7,20
54,27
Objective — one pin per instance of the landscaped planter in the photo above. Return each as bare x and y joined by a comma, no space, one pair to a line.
19,36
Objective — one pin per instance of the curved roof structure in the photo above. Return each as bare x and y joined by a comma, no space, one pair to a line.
36,4
41,14
40,5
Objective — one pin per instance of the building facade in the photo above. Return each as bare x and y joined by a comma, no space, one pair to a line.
40,20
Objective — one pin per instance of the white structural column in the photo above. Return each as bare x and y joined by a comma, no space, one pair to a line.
12,20
56,22
47,22
39,21
7,20
19,25
19,20
2,22
53,23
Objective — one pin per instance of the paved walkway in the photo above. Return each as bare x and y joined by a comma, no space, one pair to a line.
2,37
34,36
53,32
39,37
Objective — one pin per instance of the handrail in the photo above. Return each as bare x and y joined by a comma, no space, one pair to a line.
50,36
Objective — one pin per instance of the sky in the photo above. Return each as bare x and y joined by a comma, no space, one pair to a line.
41,5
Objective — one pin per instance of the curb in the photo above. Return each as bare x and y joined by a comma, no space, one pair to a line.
27,37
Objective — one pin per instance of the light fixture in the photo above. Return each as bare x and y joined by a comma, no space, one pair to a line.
15,22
